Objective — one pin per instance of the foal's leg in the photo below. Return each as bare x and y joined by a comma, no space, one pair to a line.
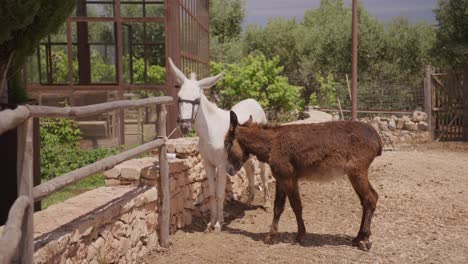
292,189
280,199
210,175
266,190
368,197
220,195
250,172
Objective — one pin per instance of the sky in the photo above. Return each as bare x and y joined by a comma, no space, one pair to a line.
259,11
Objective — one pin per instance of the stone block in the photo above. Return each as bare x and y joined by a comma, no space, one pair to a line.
400,123
410,126
113,173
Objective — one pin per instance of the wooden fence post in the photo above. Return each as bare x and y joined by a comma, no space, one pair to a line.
25,185
465,105
165,196
428,99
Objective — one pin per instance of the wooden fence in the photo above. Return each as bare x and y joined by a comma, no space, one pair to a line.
17,241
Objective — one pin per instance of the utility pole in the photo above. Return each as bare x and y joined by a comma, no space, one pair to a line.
354,63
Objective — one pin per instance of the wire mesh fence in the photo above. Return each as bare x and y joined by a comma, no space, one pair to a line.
379,97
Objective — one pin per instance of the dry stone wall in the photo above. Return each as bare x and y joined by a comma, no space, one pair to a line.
401,130
118,223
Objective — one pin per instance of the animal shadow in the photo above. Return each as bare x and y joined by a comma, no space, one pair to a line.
310,239
232,210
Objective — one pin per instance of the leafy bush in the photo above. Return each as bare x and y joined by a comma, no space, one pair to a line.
259,78
59,131
59,148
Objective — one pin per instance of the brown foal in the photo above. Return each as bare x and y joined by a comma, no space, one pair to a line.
313,151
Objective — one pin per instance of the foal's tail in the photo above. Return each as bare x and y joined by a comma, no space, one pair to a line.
379,151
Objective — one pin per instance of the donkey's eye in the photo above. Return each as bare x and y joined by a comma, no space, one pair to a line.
227,145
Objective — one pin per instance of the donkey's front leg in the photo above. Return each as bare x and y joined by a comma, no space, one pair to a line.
250,173
266,190
210,175
220,195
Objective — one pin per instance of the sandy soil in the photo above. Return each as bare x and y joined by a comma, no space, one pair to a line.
421,217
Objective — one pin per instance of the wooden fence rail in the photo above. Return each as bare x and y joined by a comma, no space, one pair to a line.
17,236
56,184
12,232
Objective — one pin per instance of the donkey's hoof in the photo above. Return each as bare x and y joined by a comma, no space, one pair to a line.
364,245
267,207
217,227
269,240
208,229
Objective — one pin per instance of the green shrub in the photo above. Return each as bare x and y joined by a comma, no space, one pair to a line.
59,148
259,78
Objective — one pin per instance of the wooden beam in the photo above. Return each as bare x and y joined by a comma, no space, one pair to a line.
465,105
25,184
12,232
165,196
56,184
354,76
428,99
89,110
10,119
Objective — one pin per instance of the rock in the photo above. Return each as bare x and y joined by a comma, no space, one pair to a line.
383,125
406,118
119,229
315,117
392,124
411,126
419,116
130,173
393,117
375,125
113,173
400,123
376,119
335,117
423,126
111,182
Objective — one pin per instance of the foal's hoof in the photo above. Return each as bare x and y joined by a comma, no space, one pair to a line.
299,240
364,245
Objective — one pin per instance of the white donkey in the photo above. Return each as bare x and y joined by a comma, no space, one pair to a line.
212,124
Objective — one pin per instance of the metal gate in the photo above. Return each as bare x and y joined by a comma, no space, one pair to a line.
449,101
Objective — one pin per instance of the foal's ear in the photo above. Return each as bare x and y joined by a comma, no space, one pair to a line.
234,121
178,74
249,122
210,81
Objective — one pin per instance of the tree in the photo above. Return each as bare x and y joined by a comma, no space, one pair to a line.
24,24
226,18
259,78
451,47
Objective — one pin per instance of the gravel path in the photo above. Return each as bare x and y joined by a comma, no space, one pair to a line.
421,217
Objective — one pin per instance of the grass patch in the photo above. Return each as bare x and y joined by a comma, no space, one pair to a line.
82,186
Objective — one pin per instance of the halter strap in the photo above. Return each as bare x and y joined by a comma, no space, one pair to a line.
194,114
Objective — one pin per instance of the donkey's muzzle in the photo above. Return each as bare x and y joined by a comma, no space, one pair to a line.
230,170
185,127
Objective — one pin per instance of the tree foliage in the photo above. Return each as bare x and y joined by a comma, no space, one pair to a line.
452,33
24,24
259,78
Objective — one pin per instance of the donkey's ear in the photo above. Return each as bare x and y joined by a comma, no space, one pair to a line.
210,81
234,121
249,122
178,74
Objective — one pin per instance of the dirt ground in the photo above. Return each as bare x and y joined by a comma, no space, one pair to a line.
421,217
